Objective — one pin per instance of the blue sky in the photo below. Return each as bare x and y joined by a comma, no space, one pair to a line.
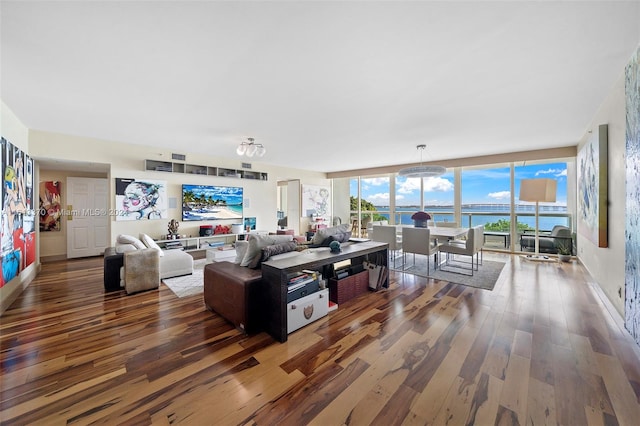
478,186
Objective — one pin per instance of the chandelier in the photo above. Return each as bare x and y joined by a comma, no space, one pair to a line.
251,148
422,170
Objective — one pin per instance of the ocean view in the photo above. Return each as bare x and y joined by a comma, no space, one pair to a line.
482,214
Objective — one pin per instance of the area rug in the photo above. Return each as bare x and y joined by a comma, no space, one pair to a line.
188,285
485,277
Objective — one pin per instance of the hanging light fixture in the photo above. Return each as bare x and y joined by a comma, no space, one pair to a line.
251,148
422,170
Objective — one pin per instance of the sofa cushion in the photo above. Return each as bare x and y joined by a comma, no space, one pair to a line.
323,233
129,239
258,242
341,237
175,263
241,250
124,248
148,241
273,250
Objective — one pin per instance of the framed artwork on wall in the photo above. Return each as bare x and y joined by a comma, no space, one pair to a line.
632,204
250,223
17,229
141,199
592,188
316,201
50,208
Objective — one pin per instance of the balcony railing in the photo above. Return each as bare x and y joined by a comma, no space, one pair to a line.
494,240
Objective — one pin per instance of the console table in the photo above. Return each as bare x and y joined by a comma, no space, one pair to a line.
275,272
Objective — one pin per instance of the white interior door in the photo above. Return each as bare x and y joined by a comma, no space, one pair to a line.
88,219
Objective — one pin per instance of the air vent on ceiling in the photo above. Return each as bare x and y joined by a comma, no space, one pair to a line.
179,157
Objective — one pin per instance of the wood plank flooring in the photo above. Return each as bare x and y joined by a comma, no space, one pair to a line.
541,348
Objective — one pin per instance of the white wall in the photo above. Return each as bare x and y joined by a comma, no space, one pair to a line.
341,205
15,132
606,265
127,161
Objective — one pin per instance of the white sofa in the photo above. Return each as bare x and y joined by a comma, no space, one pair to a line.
171,263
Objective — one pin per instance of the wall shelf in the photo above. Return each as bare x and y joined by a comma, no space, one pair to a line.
195,169
200,243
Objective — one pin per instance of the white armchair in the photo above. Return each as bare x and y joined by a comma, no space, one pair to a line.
418,241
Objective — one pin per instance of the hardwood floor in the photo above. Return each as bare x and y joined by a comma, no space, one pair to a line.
539,349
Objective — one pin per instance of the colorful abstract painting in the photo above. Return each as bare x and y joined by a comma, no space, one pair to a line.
138,199
50,209
592,187
17,230
632,226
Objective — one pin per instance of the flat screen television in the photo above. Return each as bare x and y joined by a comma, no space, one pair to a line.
208,202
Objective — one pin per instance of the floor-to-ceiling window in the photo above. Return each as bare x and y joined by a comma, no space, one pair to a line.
374,197
488,195
486,200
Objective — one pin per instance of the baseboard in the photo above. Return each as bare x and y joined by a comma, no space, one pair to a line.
56,258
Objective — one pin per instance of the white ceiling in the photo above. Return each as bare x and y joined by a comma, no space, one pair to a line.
326,86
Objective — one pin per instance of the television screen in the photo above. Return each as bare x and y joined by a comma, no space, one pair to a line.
206,202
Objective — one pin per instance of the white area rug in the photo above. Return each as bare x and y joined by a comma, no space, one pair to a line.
188,285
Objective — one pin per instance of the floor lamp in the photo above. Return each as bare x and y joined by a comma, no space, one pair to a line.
538,190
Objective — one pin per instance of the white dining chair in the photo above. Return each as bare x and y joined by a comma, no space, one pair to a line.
471,247
388,234
418,241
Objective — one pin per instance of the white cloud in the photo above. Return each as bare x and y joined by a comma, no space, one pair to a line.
437,184
500,195
409,186
375,181
554,172
381,196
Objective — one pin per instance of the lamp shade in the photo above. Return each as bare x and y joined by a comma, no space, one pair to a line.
543,190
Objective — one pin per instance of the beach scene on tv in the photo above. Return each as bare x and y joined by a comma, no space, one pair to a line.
206,202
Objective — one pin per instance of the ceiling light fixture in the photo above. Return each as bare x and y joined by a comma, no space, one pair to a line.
251,148
422,170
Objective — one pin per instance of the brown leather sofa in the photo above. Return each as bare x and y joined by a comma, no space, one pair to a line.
235,293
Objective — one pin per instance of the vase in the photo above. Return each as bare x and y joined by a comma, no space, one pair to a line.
420,223
564,257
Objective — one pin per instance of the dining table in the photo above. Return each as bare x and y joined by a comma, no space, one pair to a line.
438,232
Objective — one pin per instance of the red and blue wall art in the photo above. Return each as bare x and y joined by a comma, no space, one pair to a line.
17,230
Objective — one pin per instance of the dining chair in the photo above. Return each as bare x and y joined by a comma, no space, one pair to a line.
471,247
447,224
388,234
418,241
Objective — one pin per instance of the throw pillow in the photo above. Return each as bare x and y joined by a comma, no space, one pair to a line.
241,250
128,239
148,241
322,234
124,248
258,242
340,237
272,250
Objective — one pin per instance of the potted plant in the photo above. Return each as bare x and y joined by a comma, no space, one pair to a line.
564,252
420,219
